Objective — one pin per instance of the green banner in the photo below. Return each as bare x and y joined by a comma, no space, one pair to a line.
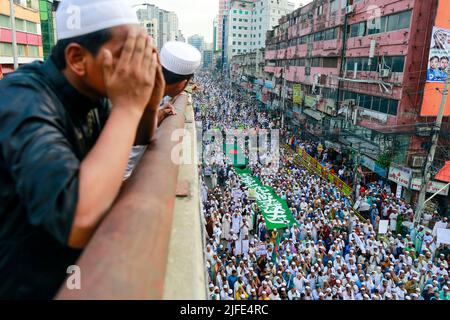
275,210
310,101
297,93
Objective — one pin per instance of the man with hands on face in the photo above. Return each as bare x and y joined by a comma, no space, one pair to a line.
68,126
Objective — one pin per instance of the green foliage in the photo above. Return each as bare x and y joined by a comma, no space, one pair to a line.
385,159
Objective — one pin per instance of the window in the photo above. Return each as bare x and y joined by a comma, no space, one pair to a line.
358,29
234,19
330,62
393,106
320,10
316,62
20,25
234,27
330,34
395,63
334,5
234,11
21,50
234,42
6,49
404,20
375,103
33,51
377,25
318,36
5,21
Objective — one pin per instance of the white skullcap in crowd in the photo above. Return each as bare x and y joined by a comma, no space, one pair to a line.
180,58
79,17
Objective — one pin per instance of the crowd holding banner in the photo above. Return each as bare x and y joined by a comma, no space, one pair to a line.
326,252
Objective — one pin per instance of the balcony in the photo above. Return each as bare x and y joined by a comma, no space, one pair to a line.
150,245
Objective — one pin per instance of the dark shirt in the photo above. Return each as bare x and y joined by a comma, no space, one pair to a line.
47,128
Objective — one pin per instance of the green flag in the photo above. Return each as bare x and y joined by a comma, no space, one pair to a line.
276,212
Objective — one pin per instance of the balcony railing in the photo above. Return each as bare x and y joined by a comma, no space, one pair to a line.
137,251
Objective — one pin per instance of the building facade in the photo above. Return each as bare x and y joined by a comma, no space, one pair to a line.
197,41
208,57
352,73
161,24
28,34
248,22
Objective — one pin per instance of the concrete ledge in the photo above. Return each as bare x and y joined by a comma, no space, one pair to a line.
185,274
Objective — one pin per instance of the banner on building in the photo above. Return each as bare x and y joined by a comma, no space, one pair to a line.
400,175
439,55
297,93
434,86
433,186
310,101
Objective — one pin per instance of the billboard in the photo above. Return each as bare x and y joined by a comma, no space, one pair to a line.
400,175
439,55
439,44
297,93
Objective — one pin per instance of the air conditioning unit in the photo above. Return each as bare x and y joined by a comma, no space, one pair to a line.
417,162
349,9
384,73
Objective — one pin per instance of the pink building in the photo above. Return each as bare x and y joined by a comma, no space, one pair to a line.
223,7
362,67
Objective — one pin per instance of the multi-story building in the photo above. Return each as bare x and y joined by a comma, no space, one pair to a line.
28,34
173,26
221,22
247,72
197,41
216,34
353,74
208,57
47,10
161,24
248,22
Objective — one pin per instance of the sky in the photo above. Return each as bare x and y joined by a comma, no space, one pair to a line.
195,16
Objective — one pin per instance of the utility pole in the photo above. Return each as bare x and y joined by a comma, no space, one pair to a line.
355,170
14,37
430,158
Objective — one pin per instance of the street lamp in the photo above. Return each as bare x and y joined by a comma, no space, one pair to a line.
14,37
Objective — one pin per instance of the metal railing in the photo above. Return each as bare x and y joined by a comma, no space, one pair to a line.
127,256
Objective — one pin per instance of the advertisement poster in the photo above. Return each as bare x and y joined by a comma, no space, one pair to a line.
400,175
438,62
297,93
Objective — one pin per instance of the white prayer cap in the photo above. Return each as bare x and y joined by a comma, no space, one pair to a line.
79,17
180,58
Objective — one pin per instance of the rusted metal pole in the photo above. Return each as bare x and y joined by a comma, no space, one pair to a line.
127,257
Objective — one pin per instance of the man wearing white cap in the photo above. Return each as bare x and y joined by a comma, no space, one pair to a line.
179,62
63,149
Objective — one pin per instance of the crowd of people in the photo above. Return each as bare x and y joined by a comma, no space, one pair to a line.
333,161
331,252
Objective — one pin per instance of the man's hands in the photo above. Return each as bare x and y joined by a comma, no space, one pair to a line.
165,112
131,81
159,90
